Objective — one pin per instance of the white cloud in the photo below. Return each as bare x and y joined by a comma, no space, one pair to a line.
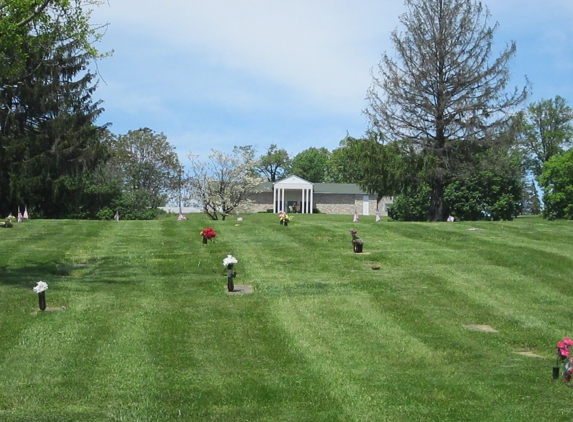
219,73
323,49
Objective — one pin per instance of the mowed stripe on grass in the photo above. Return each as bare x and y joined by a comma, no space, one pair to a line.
149,333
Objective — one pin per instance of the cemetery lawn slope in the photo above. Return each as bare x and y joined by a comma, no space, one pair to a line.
433,322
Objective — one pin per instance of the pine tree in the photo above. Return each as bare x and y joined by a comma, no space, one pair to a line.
48,136
443,90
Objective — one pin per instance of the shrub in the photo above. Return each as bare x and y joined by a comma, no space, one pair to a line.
413,205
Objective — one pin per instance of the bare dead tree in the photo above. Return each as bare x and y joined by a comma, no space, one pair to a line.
442,89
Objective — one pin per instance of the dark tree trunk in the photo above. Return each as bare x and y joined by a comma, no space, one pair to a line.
437,201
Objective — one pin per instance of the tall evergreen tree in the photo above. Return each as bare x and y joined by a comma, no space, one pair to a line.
48,136
443,90
531,202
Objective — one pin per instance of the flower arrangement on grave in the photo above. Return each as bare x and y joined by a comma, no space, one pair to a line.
41,288
564,356
564,348
284,218
229,262
208,234
357,243
8,223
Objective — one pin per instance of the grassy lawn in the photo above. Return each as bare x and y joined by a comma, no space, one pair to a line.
140,326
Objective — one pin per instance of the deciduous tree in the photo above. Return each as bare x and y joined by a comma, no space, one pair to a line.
311,164
377,168
492,191
546,130
274,164
223,183
148,166
557,182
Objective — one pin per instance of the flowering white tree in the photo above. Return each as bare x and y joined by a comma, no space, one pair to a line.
222,184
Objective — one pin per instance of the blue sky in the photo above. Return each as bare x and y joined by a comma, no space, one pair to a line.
220,73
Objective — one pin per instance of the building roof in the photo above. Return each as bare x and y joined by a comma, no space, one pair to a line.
294,180
340,188
333,188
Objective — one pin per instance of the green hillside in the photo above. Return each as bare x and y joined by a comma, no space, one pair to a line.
433,322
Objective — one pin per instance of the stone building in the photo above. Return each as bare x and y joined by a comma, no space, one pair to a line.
295,194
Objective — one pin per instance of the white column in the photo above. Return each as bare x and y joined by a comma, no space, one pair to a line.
311,191
365,205
275,199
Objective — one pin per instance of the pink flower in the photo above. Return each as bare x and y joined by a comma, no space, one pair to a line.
568,341
563,352
561,345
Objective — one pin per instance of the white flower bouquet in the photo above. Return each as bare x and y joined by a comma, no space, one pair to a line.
230,260
41,287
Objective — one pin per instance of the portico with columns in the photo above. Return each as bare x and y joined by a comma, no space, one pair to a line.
297,195
293,194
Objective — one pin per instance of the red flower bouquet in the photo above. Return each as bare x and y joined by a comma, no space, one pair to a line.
208,234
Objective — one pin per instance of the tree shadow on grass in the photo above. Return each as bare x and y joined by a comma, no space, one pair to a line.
26,276
99,271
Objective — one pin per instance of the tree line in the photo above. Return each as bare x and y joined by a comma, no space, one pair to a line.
446,136
446,132
493,180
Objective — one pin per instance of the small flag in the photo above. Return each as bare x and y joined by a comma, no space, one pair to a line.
355,218
181,217
19,215
116,216
25,216
377,215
